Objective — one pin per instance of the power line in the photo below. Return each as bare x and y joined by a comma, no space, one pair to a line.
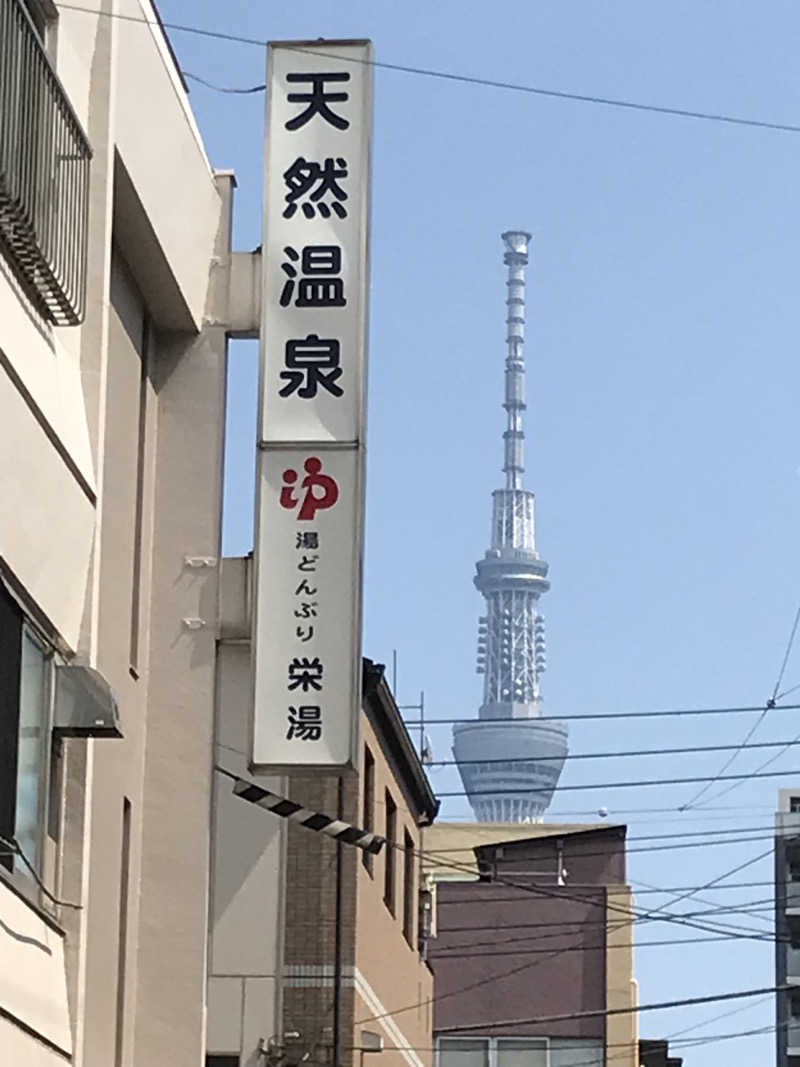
591,715
755,774
604,1013
547,930
631,851
222,88
767,707
467,953
703,814
716,1018
617,755
745,908
15,848
629,915
428,72
636,837
625,785
648,890
679,1042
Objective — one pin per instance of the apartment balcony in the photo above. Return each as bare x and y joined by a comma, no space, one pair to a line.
44,174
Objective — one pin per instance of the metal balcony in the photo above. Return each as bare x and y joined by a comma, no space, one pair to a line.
44,174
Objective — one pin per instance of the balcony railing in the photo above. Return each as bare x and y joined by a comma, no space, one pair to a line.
44,173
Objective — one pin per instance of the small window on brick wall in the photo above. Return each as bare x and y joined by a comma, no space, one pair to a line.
409,888
368,803
389,852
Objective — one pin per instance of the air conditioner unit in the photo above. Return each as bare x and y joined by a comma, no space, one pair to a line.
85,705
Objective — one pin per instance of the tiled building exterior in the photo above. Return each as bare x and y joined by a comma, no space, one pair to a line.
532,923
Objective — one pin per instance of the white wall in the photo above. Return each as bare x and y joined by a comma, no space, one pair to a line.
247,854
32,984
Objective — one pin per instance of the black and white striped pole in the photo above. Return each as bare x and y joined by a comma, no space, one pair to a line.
339,830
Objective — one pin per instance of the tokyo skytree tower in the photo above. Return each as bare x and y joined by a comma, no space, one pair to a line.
500,754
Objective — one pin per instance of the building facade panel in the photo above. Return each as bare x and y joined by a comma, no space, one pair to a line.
47,555
33,988
117,826
186,237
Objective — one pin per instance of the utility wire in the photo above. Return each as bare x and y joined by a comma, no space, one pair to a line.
692,749
680,1042
634,851
637,837
767,707
441,956
604,1013
591,715
628,917
755,774
15,848
787,692
560,928
629,914
627,785
427,72
716,1018
222,88
648,890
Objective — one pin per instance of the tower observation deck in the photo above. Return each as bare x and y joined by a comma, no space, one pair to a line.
500,755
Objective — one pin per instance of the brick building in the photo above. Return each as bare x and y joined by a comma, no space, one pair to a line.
273,946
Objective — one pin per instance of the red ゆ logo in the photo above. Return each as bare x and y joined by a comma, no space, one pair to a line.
321,490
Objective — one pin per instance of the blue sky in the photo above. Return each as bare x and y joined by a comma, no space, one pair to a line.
662,388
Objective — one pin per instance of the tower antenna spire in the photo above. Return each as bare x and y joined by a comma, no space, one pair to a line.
511,577
516,259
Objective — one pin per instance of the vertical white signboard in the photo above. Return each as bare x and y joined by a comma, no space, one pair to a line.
309,523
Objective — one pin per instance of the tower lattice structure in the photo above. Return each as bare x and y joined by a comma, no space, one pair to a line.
510,758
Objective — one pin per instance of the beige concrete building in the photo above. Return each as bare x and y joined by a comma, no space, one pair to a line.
147,915
114,244
273,957
533,953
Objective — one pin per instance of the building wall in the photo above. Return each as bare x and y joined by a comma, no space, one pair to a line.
394,985
622,991
589,857
111,473
516,955
387,986
279,954
548,934
787,926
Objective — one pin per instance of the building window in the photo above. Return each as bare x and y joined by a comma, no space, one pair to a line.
222,1061
521,1052
463,1052
409,887
25,694
503,1052
794,804
368,803
389,850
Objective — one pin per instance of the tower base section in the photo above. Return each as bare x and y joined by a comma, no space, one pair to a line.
510,767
